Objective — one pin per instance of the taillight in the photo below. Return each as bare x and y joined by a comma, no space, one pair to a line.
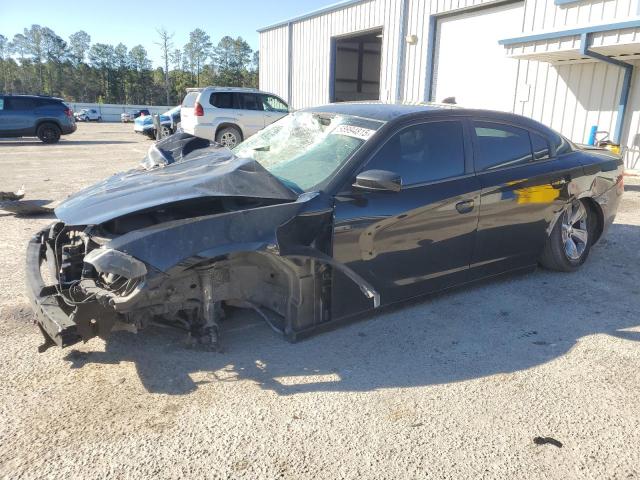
198,111
68,112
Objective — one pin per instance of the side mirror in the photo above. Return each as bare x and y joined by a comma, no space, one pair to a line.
378,180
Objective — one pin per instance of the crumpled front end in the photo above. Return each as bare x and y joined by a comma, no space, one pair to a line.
77,289
195,231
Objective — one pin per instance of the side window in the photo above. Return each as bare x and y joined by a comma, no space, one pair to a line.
540,147
274,104
1,103
221,100
562,145
423,153
19,103
250,101
499,145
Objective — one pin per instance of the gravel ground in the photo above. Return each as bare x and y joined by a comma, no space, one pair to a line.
453,387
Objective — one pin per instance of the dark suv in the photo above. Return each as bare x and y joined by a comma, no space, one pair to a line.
35,116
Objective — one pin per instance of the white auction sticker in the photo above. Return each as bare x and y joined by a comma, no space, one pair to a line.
353,131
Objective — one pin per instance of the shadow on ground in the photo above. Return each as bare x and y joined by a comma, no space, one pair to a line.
498,327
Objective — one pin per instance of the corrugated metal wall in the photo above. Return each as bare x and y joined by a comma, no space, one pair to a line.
312,42
274,61
546,15
569,98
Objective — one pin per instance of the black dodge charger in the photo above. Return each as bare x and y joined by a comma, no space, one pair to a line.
326,214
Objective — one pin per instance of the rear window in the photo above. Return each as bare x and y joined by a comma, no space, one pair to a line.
540,146
499,145
48,101
19,103
222,100
250,101
190,99
562,145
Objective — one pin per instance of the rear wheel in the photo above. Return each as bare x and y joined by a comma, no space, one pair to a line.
229,137
571,239
48,133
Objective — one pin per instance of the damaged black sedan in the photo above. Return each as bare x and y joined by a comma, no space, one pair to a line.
329,213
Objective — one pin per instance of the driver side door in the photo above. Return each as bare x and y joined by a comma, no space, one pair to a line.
420,239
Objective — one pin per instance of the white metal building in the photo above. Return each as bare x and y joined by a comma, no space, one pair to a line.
568,63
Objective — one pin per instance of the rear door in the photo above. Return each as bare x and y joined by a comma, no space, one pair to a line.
420,239
274,108
4,117
18,116
522,188
252,113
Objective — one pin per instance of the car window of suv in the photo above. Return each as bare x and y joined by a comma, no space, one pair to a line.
1,103
274,104
423,153
45,102
250,101
19,103
221,99
499,145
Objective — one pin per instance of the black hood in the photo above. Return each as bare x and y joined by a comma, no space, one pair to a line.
179,168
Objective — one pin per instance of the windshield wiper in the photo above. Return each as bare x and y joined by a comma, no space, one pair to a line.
265,148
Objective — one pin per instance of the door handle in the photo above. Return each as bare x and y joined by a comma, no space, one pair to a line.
465,206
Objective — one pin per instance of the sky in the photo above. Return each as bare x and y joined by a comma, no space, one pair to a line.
135,22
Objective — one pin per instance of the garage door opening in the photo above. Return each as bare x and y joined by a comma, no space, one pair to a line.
469,64
357,67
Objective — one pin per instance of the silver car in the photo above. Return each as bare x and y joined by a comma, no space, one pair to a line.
228,115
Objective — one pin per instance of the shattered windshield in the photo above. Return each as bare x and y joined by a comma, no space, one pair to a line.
305,148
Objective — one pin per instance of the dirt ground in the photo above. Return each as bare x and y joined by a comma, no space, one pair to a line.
456,386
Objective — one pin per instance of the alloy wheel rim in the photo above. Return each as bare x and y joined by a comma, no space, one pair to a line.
575,234
229,140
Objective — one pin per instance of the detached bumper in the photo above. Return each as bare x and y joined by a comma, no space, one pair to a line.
53,321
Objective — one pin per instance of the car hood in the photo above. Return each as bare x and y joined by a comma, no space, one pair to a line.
148,120
178,168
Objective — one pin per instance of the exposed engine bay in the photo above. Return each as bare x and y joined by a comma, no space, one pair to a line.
123,256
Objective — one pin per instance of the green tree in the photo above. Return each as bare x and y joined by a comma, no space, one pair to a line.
101,57
197,51
165,45
79,44
232,58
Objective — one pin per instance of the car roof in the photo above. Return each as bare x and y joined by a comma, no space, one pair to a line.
213,88
47,97
376,110
387,112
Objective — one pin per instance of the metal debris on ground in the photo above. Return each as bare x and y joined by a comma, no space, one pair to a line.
547,440
13,203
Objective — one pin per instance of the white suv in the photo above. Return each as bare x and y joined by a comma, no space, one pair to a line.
228,115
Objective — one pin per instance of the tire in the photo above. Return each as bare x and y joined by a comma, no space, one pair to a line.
229,137
570,240
48,133
166,131
99,119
